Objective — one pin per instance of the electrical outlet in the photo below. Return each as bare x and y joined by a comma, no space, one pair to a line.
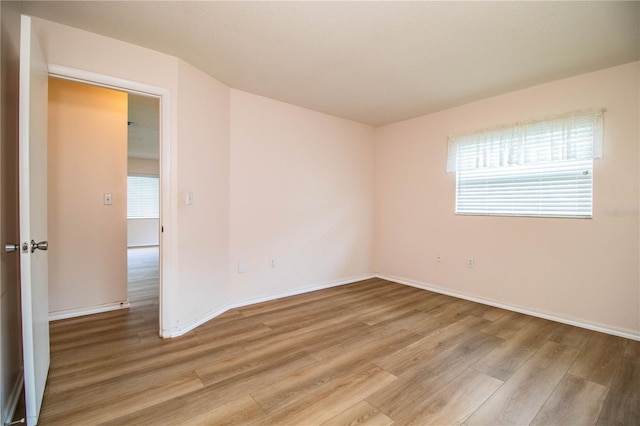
438,259
470,262
272,263
242,266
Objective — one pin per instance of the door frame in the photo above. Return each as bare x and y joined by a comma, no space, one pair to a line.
168,216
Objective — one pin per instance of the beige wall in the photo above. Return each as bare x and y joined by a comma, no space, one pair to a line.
143,166
573,269
301,193
87,158
203,169
10,335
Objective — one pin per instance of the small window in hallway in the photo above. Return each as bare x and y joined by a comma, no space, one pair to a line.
143,197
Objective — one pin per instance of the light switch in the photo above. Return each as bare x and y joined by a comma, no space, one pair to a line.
107,200
189,198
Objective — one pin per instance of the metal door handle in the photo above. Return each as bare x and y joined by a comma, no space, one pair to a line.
9,248
42,245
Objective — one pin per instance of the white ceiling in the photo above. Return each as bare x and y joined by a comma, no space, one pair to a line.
372,62
143,134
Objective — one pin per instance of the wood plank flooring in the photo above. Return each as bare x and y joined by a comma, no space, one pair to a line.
372,352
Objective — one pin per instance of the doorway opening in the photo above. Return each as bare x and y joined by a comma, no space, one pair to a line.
143,204
150,108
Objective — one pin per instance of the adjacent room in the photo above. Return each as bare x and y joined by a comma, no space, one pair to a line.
306,213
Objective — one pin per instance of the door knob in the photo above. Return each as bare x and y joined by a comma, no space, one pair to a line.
42,245
9,248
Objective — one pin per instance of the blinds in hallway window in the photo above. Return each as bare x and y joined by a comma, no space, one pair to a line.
143,197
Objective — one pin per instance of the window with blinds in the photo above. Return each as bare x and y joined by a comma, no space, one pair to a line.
143,197
540,168
560,189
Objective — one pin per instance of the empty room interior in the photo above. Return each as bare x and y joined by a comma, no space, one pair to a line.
305,213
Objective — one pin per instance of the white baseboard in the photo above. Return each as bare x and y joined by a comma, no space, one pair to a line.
628,334
72,313
12,402
179,331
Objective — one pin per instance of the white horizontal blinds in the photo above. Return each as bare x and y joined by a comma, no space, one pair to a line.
560,189
539,168
143,197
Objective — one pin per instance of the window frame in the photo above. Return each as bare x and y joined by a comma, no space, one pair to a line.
528,164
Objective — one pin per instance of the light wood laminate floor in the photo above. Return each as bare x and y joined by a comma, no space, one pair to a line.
372,352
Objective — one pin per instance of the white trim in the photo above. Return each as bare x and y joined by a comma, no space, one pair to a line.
14,397
72,313
628,334
102,80
179,331
168,180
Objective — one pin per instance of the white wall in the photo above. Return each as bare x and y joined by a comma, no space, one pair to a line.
143,166
203,169
199,112
301,193
574,269
143,232
87,142
334,249
10,323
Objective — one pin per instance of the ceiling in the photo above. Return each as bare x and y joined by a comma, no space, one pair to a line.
371,62
143,132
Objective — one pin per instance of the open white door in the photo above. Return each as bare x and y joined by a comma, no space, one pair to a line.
33,218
